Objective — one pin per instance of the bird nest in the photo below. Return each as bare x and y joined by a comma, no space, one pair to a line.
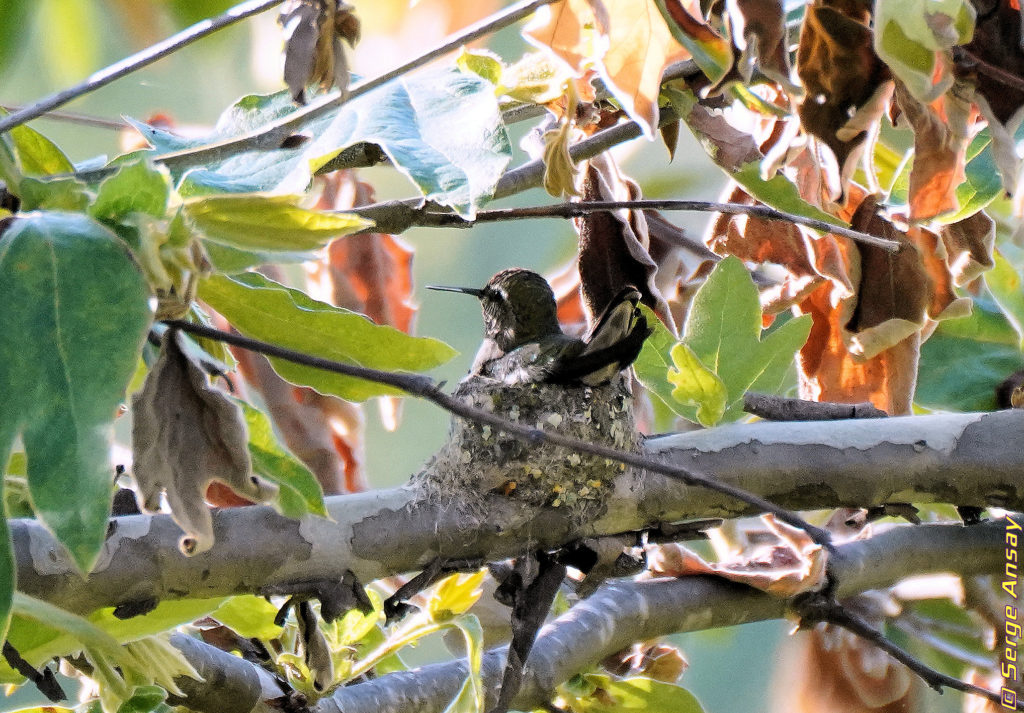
479,461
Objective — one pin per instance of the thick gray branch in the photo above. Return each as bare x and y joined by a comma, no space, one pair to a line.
625,611
964,459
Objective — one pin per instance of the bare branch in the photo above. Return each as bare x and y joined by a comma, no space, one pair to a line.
136,61
619,613
75,118
575,209
968,459
782,408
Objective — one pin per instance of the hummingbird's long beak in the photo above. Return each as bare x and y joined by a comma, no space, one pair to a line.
475,291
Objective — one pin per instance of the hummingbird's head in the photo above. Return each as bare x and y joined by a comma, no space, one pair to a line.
518,306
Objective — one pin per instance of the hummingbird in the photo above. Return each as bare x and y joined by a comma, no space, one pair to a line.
524,343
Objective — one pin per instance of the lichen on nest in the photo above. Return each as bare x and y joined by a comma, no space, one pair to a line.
479,461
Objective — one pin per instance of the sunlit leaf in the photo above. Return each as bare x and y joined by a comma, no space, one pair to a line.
267,310
455,594
697,385
723,328
609,695
249,616
268,223
300,493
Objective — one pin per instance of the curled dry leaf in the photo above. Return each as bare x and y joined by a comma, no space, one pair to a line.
614,246
759,31
941,135
186,434
841,75
560,171
573,30
828,668
313,52
315,649
996,44
789,566
658,660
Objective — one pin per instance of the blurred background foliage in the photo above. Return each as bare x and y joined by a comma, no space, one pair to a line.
46,45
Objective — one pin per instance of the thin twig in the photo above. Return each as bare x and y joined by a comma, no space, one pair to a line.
424,387
577,209
841,616
75,118
136,61
270,136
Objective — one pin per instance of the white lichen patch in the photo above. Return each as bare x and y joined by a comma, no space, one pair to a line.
479,461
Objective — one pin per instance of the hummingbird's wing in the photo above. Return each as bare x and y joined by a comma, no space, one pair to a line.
613,344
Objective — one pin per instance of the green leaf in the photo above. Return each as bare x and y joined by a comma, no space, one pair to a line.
262,222
964,361
15,16
441,127
299,492
632,694
144,699
84,632
909,33
136,188
1004,282
723,328
696,385
710,52
37,155
39,642
454,595
470,698
249,616
482,63
267,310
652,366
55,194
780,193
982,183
75,314
232,260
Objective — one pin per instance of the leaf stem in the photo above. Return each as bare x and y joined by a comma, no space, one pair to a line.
426,388
136,61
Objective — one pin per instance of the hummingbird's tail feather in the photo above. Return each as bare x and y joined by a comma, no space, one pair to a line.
612,345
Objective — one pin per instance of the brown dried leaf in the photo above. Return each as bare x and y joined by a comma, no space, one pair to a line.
185,434
369,273
313,52
830,669
793,564
759,30
828,372
614,246
571,29
841,75
997,43
941,136
560,171
658,660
